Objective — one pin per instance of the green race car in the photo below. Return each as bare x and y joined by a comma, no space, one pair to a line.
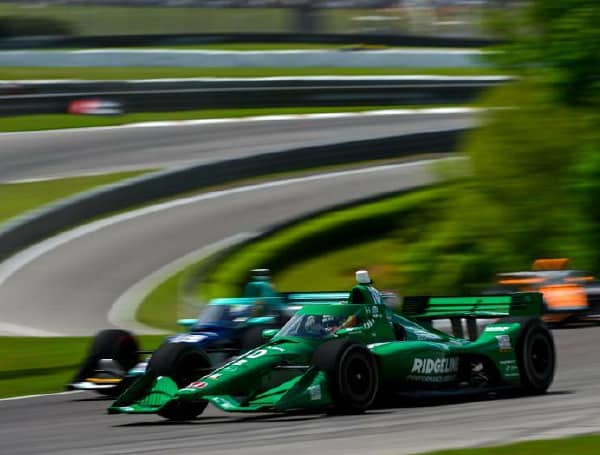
339,357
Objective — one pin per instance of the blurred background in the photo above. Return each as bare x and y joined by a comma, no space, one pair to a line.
528,189
502,96
87,18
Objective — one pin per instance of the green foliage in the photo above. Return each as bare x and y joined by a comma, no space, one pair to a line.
535,162
522,201
559,42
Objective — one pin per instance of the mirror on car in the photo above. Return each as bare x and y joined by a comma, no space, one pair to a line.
267,334
187,323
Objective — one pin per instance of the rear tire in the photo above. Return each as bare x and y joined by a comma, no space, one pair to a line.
116,344
183,363
352,375
536,357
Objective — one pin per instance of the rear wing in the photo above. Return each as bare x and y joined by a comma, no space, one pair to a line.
480,307
302,298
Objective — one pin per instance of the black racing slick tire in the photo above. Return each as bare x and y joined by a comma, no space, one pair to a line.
536,356
183,410
352,374
183,363
116,344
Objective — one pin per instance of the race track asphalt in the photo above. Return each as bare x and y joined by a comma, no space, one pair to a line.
82,277
79,151
78,423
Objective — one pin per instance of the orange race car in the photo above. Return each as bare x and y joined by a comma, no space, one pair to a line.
568,294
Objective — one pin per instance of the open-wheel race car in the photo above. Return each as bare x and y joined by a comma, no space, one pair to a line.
339,357
568,295
225,328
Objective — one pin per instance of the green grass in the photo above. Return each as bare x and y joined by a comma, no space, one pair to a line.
578,445
61,121
336,269
18,198
159,308
119,73
44,365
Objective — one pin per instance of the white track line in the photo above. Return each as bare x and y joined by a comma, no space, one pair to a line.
122,312
264,118
348,78
41,395
8,329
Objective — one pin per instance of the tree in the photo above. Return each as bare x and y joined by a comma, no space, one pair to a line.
535,163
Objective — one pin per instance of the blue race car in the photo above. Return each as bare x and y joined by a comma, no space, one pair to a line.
225,328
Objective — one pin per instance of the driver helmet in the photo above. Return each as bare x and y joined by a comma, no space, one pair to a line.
313,325
330,324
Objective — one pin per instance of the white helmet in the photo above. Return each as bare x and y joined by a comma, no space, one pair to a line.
362,277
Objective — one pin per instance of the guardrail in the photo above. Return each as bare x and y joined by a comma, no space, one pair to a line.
377,39
185,94
32,228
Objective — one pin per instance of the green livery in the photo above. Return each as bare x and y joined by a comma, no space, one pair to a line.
340,357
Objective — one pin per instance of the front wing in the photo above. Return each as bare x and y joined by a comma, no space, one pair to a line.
308,391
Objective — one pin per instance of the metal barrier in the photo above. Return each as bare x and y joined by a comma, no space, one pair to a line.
32,228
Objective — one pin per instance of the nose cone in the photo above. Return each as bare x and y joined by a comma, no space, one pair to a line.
193,390
240,375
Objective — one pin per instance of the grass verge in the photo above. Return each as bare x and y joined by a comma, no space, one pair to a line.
45,365
61,121
159,307
18,198
118,73
578,445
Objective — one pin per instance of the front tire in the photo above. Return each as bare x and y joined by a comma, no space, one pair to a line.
183,363
352,375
